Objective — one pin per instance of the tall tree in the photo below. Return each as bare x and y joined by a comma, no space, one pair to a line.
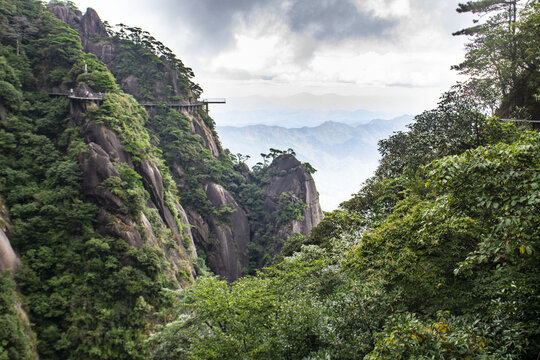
503,53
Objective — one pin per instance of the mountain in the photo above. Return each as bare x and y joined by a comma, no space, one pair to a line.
293,118
344,155
115,189
295,111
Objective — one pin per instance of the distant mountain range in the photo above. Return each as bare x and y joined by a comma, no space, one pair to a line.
290,118
297,110
344,154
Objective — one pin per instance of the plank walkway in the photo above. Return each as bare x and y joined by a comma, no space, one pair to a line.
75,96
175,104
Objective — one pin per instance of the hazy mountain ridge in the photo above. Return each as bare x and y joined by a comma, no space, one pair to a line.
344,155
291,117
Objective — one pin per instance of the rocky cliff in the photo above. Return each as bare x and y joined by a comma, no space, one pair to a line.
294,180
222,238
8,258
115,218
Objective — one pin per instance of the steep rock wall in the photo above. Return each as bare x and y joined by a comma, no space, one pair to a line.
292,178
232,234
200,128
8,257
98,164
224,237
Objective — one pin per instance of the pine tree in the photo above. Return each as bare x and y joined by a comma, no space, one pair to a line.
502,57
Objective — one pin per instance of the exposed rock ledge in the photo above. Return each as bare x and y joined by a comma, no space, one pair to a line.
297,181
8,258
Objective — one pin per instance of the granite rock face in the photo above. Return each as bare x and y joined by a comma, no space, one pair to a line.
222,235
89,27
209,139
98,164
232,233
8,257
223,238
293,179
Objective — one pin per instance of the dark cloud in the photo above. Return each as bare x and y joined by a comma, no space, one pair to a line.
335,20
214,21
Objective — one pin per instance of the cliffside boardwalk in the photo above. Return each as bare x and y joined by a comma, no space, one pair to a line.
212,101
180,105
88,96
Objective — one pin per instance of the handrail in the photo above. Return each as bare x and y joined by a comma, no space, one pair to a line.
99,96
214,101
172,104
79,96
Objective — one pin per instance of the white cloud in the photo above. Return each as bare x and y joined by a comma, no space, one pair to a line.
265,53
385,8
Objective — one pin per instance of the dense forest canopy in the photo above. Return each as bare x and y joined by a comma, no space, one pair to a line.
436,257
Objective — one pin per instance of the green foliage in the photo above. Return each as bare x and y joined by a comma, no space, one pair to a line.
139,54
474,222
8,74
182,149
98,80
88,296
500,183
309,168
502,58
10,96
254,318
379,293
457,124
16,339
129,188
122,113
56,52
64,258
407,337
289,208
144,41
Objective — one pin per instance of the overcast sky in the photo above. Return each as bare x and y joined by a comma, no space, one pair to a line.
394,55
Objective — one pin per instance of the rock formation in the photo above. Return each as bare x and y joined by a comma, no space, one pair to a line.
232,234
222,236
293,179
98,164
8,258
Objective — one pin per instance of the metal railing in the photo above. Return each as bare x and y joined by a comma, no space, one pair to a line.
79,96
214,101
180,104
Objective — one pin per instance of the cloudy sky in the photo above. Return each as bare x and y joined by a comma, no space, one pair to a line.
391,55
